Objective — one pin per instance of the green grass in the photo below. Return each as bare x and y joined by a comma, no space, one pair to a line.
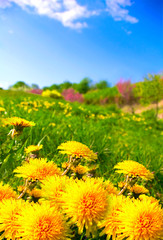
112,134
115,137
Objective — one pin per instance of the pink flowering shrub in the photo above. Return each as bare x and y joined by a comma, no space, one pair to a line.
125,88
36,91
72,96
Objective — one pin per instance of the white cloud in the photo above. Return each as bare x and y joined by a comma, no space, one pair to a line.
73,11
116,9
70,13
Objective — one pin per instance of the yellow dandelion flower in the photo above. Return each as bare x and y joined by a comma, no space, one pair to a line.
20,188
86,204
77,149
111,221
10,209
133,169
121,184
33,148
138,189
2,109
80,169
18,122
53,188
52,124
110,187
6,192
141,220
65,165
36,193
1,102
43,222
37,169
151,199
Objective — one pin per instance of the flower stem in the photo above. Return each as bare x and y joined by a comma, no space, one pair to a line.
67,169
125,186
24,190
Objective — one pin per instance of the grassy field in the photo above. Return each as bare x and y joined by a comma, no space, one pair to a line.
115,136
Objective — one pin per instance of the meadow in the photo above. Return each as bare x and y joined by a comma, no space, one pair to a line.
112,135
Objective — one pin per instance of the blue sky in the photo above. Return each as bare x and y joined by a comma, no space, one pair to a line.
52,41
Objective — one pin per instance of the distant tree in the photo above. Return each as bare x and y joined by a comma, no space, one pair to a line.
54,87
138,91
20,85
75,86
35,86
152,90
65,85
83,86
102,84
45,88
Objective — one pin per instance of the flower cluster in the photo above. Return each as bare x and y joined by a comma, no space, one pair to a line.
51,93
62,205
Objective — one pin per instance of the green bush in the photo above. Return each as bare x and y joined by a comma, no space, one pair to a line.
103,96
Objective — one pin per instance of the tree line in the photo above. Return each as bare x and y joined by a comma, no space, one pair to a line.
150,90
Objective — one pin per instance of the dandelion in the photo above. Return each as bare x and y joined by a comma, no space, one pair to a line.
77,150
20,188
141,220
111,221
33,148
133,169
110,187
138,189
52,124
151,199
1,102
37,169
121,184
18,122
36,193
53,188
2,109
65,165
6,192
10,210
43,222
80,169
86,204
